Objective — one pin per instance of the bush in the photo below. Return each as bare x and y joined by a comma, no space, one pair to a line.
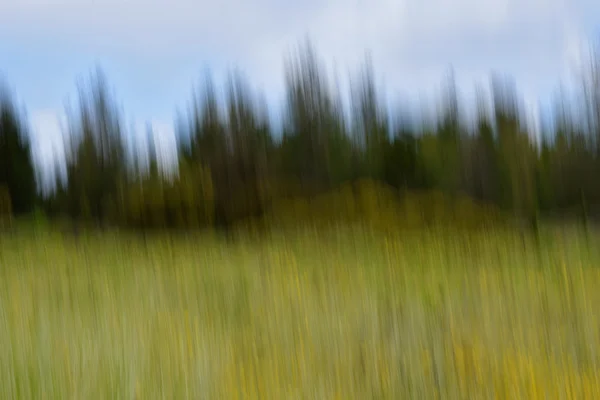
39,218
5,207
154,202
383,207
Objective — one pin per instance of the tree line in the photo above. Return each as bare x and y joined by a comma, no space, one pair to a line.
232,165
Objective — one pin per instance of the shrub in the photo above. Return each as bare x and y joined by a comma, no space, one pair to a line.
187,200
5,207
383,207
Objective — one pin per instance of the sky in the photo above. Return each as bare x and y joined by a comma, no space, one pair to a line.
154,51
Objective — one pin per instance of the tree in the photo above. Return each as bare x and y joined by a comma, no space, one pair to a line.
96,156
482,157
249,167
209,146
370,124
17,171
449,140
316,149
517,154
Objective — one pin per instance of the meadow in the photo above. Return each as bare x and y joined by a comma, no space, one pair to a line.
339,313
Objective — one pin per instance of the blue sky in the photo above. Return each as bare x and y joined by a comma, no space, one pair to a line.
154,51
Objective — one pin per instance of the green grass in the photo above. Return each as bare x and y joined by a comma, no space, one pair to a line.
341,314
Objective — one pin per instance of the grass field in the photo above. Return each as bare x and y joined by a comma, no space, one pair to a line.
343,314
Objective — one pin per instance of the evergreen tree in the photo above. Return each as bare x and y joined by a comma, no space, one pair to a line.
17,171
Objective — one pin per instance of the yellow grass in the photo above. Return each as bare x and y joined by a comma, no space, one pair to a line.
344,314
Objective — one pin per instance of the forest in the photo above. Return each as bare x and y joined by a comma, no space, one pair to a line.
234,165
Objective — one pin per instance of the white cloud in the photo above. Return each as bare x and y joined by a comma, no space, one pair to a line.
415,36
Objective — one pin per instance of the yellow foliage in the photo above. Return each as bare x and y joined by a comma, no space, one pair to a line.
477,373
383,207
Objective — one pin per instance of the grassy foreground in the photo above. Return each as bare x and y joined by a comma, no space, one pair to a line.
344,314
